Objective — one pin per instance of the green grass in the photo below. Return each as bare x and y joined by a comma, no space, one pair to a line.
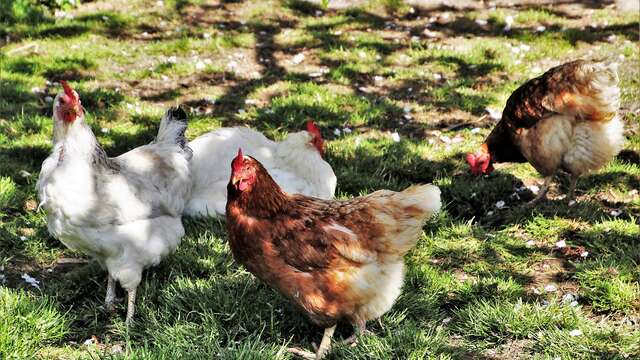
475,284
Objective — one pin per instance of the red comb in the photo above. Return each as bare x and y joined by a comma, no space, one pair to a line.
471,159
313,129
236,164
67,89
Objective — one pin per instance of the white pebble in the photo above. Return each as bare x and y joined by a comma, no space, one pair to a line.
615,213
575,332
346,130
493,113
337,132
584,254
534,189
500,204
299,58
475,130
395,136
568,298
23,238
541,28
489,213
560,244
550,288
378,78
30,280
104,130
508,23
531,243
481,22
445,321
48,99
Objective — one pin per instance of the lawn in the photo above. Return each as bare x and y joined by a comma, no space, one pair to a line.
402,94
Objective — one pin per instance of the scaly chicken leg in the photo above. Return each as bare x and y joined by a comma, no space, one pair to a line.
323,349
111,293
543,192
572,189
131,305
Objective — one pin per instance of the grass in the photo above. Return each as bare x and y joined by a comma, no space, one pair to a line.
483,282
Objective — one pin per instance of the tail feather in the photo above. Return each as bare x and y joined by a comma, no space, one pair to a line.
173,127
594,95
404,215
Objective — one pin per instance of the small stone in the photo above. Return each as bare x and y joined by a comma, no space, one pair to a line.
445,321
493,113
395,136
550,288
560,244
489,213
615,213
531,243
481,22
568,298
475,130
104,130
534,188
241,111
337,132
576,332
437,76
346,130
508,23
378,78
541,28
584,254
48,99
500,204
299,58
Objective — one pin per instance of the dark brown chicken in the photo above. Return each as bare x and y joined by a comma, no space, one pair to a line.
336,260
566,119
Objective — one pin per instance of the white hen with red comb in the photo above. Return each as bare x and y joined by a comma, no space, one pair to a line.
295,163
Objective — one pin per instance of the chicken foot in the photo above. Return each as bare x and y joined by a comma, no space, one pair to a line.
111,293
131,305
360,329
323,349
542,193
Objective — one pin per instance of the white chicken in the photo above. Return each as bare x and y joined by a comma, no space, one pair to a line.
126,211
295,164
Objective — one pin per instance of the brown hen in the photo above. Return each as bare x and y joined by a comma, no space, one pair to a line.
336,260
566,119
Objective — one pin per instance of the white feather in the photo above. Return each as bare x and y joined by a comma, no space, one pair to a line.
293,163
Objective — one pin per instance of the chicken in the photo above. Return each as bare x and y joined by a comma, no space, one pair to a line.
336,260
566,119
295,163
126,211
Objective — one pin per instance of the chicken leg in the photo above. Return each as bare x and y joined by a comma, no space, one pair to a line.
360,328
111,293
131,305
572,188
323,349
542,193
